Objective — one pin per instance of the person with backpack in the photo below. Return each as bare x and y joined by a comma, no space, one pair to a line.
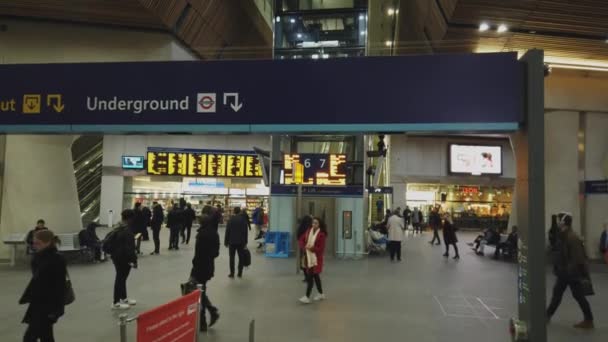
207,248
571,269
46,290
120,244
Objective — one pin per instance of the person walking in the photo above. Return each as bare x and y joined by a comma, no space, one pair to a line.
236,240
553,234
189,217
305,224
407,217
570,267
416,220
258,221
120,244
435,223
175,224
139,226
206,249
449,236
313,243
45,291
158,217
395,235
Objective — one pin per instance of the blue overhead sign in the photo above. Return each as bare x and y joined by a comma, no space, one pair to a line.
365,94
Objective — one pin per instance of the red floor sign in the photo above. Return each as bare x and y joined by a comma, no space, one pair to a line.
172,322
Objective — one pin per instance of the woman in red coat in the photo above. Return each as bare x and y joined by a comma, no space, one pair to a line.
313,244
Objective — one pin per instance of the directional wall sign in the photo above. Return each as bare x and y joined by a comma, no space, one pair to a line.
380,91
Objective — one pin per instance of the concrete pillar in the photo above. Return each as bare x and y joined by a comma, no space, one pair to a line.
38,183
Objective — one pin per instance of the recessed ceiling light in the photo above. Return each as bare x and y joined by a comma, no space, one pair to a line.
484,27
299,35
391,11
502,28
388,43
292,20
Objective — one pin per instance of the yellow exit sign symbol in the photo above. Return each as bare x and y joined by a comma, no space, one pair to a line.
31,103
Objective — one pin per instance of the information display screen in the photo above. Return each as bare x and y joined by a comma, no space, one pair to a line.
203,164
475,160
133,162
316,169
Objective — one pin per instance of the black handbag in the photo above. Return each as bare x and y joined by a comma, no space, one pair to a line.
68,293
188,287
246,257
587,287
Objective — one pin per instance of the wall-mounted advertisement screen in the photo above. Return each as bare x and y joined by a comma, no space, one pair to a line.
475,160
133,162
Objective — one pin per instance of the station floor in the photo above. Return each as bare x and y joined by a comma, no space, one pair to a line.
424,298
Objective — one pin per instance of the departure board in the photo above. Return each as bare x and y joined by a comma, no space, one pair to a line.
203,164
319,169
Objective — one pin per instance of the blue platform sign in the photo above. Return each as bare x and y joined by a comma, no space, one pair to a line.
464,92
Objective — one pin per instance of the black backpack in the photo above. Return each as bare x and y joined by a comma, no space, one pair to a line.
109,242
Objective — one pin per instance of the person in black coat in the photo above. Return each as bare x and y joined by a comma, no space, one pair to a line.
175,222
158,217
45,291
189,217
435,223
124,257
604,240
236,239
147,213
207,248
88,238
40,225
449,236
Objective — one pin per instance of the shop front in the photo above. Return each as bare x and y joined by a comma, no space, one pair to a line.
471,206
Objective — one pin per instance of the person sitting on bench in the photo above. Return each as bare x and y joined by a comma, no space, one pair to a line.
509,246
88,238
491,237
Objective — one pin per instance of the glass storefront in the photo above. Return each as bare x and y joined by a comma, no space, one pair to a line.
471,206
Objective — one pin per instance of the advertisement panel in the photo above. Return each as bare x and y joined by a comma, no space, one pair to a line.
475,160
171,322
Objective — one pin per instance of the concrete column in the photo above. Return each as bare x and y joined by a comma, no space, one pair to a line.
39,183
111,198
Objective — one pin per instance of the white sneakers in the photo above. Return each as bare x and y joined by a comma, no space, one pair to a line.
124,304
317,298
120,306
305,300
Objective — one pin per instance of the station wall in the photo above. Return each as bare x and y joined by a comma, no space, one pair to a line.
38,177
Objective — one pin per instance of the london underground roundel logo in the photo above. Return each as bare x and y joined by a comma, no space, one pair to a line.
206,103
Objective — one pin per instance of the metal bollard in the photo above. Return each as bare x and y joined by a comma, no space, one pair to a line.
199,287
252,331
123,327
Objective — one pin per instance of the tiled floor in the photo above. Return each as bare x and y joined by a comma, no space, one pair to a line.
423,298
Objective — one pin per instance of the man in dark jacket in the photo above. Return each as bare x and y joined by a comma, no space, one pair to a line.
175,222
570,267
236,239
203,265
45,291
122,249
189,216
147,213
435,223
158,217
138,226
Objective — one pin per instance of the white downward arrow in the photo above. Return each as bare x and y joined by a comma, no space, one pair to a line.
236,106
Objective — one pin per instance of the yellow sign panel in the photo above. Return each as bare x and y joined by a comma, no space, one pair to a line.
31,103
195,164
315,169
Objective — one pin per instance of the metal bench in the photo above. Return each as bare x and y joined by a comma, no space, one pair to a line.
14,240
68,243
